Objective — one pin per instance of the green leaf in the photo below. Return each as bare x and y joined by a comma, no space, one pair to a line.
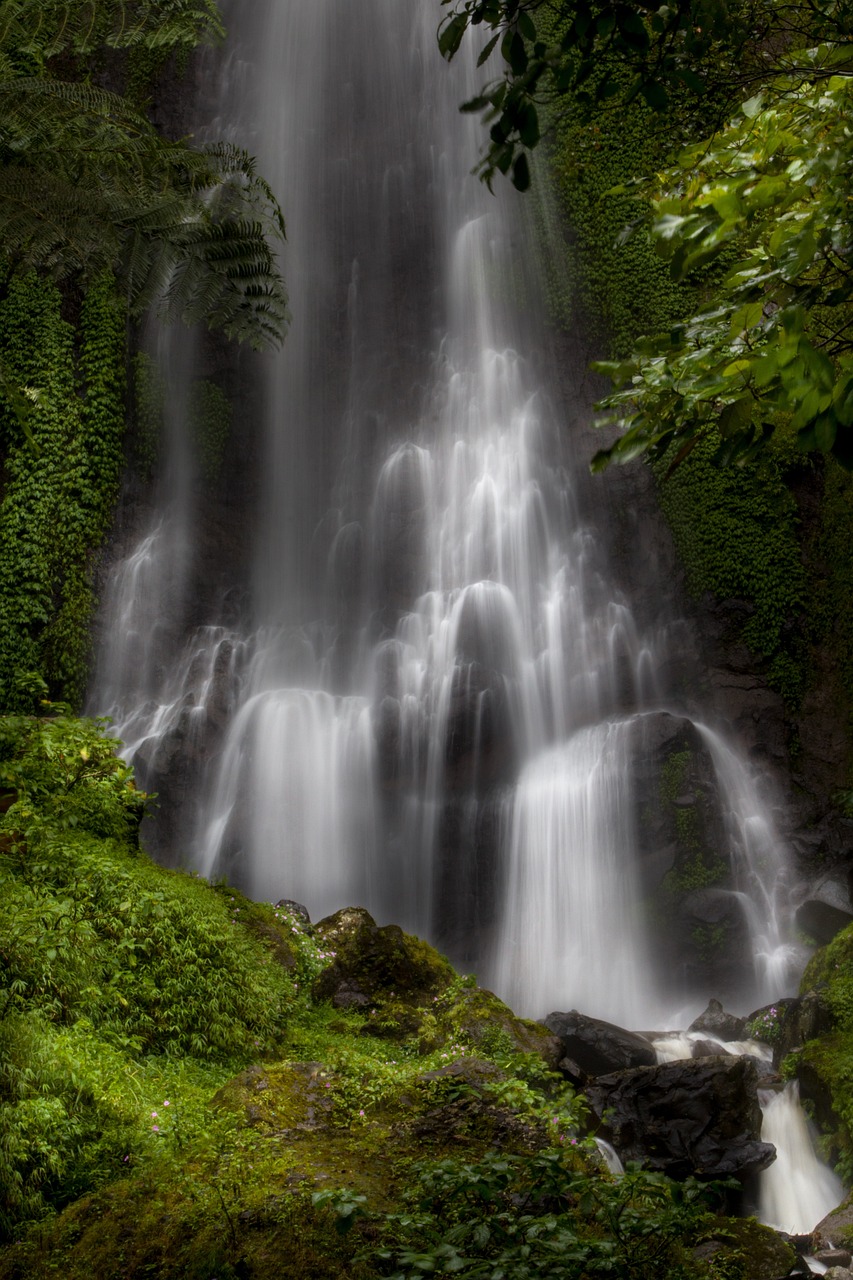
450,35
736,417
825,431
485,53
520,172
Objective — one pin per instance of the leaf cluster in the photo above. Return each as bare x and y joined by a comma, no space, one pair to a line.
700,50
775,349
514,1217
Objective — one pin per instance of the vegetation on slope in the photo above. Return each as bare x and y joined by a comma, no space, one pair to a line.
180,1098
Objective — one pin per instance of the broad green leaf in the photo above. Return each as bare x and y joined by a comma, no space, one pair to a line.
752,107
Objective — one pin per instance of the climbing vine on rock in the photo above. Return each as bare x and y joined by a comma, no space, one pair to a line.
737,532
63,466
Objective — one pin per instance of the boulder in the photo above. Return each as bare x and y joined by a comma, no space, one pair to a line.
692,1117
821,920
716,1022
370,963
836,1229
599,1047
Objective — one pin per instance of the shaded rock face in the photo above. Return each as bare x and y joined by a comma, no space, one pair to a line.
696,1117
836,1229
821,920
700,938
805,1018
598,1047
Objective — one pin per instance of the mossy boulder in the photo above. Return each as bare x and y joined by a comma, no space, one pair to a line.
824,1064
479,1018
836,1229
744,1249
373,965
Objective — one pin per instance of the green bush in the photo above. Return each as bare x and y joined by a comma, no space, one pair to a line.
119,978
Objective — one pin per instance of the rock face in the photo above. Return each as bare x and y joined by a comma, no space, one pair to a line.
698,1117
805,1018
599,1047
715,1020
821,920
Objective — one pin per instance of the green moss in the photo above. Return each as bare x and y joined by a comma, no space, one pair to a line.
737,533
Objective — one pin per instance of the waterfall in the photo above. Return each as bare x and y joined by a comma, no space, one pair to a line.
422,695
796,1191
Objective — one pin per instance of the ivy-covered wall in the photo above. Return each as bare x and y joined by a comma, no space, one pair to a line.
62,466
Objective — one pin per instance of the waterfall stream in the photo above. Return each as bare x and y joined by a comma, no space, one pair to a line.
429,694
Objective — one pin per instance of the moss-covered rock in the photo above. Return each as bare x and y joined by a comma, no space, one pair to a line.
372,964
745,1250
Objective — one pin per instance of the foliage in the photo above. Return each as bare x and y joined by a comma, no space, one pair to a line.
711,51
62,478
766,1026
737,534
209,415
87,184
120,981
542,1215
775,348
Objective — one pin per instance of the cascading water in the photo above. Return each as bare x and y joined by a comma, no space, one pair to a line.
796,1191
428,702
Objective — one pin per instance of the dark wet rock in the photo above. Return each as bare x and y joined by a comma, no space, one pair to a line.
699,1117
374,962
572,1071
715,1020
708,1049
599,1047
834,1257
821,920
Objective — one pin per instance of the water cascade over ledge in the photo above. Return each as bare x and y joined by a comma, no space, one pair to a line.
429,695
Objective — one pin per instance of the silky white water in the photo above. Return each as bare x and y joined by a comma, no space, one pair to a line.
426,700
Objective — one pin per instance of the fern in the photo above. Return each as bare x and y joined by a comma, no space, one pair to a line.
87,184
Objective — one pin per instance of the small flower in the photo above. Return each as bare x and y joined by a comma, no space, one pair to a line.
155,1128
361,1113
166,1103
153,1115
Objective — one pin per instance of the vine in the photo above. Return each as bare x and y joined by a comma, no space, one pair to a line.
62,475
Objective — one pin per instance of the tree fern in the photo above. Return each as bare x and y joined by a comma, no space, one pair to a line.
88,184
